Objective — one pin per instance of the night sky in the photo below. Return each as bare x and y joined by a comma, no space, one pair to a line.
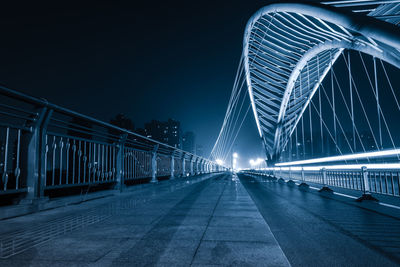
152,60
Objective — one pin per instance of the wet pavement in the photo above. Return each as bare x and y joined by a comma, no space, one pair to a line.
197,221
324,229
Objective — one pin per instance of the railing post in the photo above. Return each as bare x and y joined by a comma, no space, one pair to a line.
365,180
280,176
198,166
303,180
191,166
120,164
172,176
154,165
201,166
183,165
290,182
367,190
34,159
325,187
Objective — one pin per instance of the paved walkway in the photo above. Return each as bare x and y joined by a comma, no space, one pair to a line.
326,229
180,223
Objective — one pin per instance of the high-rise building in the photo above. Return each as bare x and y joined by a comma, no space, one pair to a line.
167,132
189,142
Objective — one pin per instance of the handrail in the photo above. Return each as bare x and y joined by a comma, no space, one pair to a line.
55,148
44,103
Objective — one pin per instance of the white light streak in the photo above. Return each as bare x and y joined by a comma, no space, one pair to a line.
376,154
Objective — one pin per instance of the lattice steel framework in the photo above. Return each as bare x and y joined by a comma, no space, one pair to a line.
290,47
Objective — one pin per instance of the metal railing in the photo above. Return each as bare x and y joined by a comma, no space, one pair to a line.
368,180
44,146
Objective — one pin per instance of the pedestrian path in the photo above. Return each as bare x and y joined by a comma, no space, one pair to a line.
209,222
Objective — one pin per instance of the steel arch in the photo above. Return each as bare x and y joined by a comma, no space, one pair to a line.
288,44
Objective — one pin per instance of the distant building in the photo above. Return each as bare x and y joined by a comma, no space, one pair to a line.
165,132
141,131
189,142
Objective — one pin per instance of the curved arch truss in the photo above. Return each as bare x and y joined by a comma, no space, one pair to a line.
288,50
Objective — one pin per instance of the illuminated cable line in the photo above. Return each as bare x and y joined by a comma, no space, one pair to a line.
351,99
340,125
390,84
362,107
333,96
238,74
347,108
380,112
387,127
320,111
240,127
229,110
340,151
309,111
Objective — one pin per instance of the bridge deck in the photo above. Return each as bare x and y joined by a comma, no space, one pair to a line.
202,222
326,229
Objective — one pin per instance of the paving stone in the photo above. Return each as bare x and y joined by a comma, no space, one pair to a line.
212,222
239,254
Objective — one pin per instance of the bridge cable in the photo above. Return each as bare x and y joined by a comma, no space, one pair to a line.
333,96
225,135
313,105
390,84
237,132
227,114
309,111
351,98
320,110
347,107
380,112
362,107
228,127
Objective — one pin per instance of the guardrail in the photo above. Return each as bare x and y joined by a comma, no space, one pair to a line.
44,146
367,180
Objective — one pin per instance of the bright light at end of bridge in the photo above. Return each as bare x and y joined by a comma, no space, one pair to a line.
219,161
256,162
235,155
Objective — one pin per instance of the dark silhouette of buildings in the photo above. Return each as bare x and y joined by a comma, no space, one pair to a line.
168,132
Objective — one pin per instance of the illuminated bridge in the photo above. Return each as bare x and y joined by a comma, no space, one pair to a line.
323,83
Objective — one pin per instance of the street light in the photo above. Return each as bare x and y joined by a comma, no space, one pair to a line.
235,156
256,162
219,162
